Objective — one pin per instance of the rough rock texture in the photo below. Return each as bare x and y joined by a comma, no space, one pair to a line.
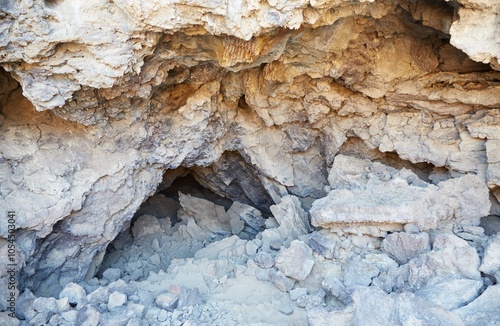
360,117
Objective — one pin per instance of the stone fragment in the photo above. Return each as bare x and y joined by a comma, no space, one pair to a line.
491,259
75,293
45,305
483,310
286,310
112,274
89,315
167,301
282,282
264,260
337,289
359,272
247,215
321,316
403,246
146,225
296,261
450,256
292,222
450,293
116,299
312,300
375,307
375,194
297,293
321,244
207,215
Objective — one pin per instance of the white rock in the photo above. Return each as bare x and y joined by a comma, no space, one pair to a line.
116,299
296,261
75,294
385,196
450,293
483,310
491,259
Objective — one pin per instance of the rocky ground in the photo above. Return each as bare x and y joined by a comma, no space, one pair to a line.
187,261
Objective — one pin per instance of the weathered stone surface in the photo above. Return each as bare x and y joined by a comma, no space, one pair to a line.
146,225
450,293
296,261
491,260
403,246
375,307
366,193
450,256
482,311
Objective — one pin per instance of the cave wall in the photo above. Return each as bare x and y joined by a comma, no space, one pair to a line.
112,94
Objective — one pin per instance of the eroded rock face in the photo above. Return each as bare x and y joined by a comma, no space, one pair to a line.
272,90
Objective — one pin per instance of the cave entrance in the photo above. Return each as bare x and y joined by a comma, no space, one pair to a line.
190,209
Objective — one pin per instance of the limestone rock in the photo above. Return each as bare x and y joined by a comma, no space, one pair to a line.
491,261
116,299
403,246
385,196
482,311
450,293
296,261
210,217
146,225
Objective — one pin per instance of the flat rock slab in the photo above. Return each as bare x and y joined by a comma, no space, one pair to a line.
383,196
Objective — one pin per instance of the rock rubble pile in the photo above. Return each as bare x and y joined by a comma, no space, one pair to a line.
218,267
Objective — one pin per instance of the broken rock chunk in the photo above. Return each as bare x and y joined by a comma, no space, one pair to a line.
403,246
378,195
296,261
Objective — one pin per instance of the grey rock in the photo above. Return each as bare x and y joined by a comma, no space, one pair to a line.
296,261
359,272
112,274
491,260
247,215
450,293
450,256
483,310
286,310
375,307
89,315
321,316
101,295
403,246
264,260
282,282
337,289
297,293
167,301
312,300
321,244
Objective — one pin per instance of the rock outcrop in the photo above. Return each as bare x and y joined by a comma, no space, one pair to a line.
363,136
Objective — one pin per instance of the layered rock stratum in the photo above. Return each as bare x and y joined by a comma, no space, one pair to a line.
348,151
